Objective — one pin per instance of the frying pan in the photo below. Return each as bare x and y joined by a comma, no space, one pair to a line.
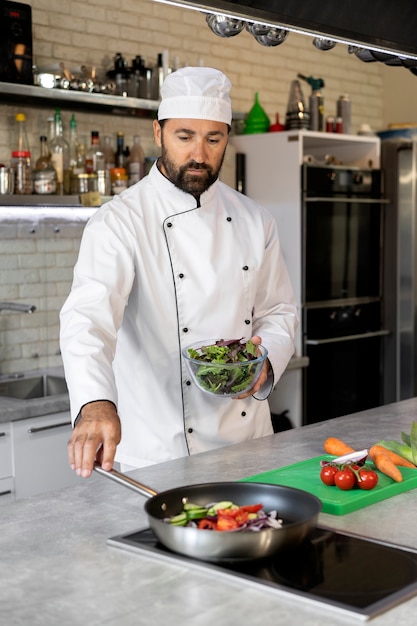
298,509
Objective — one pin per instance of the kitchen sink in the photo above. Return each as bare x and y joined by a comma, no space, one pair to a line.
41,386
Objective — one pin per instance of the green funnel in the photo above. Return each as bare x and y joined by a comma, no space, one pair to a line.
257,120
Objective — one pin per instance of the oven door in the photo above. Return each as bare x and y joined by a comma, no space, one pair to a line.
344,346
342,248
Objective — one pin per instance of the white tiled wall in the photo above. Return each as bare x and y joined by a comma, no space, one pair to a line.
38,252
36,258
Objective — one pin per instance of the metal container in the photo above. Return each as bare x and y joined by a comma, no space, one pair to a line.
104,183
50,80
343,110
83,183
6,181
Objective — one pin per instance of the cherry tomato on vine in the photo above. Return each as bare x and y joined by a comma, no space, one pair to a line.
327,474
345,479
368,479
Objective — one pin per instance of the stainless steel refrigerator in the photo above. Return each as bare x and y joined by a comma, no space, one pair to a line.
399,165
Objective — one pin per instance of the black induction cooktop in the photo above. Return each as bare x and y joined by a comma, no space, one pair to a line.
338,571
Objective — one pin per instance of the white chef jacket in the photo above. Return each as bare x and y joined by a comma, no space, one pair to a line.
156,272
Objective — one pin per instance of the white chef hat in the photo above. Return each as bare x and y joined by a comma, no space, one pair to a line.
196,93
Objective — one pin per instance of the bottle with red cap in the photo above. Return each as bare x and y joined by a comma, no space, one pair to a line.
21,158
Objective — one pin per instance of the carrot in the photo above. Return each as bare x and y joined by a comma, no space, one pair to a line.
383,462
335,446
395,458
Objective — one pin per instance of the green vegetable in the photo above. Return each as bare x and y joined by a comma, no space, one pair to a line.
406,439
213,376
197,513
399,448
194,511
189,506
179,520
413,442
408,448
219,506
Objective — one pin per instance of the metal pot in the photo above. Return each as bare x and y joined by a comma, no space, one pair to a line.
50,80
297,508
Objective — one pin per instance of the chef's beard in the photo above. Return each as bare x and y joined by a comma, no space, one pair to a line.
181,177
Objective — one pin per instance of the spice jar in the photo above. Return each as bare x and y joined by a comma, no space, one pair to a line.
44,181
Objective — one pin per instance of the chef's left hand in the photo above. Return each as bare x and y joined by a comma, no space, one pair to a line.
262,377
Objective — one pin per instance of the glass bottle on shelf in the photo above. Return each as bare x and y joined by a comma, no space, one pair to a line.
121,75
51,128
44,159
94,159
76,163
44,174
120,157
136,163
159,76
137,76
60,156
108,151
21,158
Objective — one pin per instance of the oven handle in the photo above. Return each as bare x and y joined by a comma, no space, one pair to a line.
319,342
347,199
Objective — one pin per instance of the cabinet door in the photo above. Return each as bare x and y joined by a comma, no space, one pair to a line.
6,467
40,454
7,493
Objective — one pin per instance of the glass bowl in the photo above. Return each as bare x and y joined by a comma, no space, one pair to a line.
226,380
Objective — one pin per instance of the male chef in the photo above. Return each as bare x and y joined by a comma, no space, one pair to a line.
177,258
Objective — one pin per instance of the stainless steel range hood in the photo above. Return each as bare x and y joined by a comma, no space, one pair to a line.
388,28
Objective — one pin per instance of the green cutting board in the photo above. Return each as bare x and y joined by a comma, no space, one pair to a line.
306,475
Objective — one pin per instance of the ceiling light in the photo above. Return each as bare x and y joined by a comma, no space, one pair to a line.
273,37
323,44
224,26
326,28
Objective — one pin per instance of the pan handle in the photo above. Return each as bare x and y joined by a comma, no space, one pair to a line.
127,481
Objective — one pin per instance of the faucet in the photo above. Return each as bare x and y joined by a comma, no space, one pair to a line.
16,306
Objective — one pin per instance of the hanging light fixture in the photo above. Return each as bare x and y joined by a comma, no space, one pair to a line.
224,26
267,35
270,23
273,37
323,44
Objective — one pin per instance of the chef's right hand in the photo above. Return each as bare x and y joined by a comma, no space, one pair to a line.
95,437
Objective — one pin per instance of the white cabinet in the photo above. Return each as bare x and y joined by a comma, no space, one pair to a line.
6,464
40,454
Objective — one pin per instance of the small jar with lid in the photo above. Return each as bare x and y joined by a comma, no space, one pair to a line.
44,181
83,183
22,172
119,179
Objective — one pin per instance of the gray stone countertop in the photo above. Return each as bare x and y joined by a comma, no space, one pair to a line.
56,567
12,409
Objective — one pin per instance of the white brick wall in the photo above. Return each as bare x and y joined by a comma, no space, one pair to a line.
36,258
38,251
92,32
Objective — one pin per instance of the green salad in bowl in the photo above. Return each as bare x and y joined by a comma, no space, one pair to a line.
226,367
